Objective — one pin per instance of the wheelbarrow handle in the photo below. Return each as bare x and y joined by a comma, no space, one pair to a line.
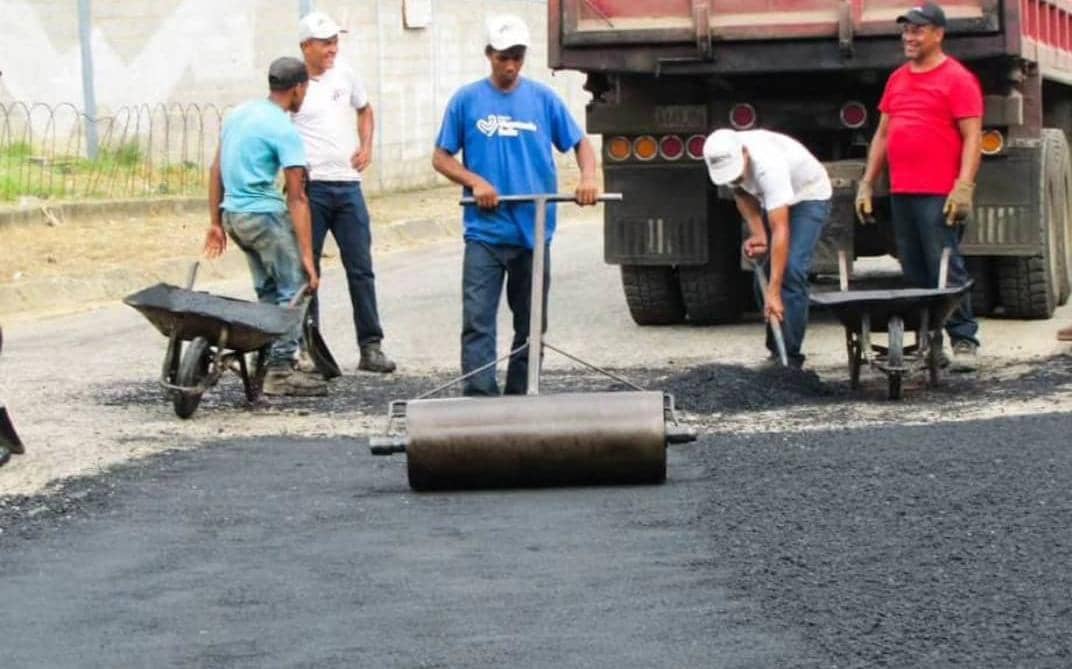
548,197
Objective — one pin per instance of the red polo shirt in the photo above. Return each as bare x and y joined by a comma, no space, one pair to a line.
924,142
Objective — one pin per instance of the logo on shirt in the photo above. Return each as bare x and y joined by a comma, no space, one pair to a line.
337,94
503,126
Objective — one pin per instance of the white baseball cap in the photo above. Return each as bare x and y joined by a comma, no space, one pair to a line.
724,156
505,31
317,25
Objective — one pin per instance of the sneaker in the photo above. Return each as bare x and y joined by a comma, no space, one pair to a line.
373,359
1065,334
289,381
964,355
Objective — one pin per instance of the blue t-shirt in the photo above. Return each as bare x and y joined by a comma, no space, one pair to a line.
257,140
506,138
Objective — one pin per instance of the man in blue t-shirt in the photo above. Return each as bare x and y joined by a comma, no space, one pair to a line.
505,126
257,140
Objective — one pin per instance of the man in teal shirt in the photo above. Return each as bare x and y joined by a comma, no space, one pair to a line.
258,139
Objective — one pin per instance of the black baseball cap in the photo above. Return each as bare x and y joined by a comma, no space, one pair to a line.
927,14
285,73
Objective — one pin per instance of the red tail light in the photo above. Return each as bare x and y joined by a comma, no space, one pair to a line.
742,116
853,115
671,147
695,147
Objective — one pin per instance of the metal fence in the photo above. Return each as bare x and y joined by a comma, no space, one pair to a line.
148,150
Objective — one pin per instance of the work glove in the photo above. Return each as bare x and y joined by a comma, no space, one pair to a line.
959,203
864,211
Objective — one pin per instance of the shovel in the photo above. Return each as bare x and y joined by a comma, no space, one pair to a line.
776,328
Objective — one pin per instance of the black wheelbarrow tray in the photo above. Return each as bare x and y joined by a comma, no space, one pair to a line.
221,331
920,310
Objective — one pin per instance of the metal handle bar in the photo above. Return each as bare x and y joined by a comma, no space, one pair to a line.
548,197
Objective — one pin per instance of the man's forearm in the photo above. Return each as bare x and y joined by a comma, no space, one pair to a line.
586,159
876,158
448,166
298,205
970,157
779,246
366,126
215,195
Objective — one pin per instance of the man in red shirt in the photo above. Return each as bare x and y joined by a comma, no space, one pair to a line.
929,134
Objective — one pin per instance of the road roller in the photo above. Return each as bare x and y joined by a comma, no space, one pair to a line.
531,440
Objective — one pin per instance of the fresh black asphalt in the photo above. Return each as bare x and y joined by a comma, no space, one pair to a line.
929,545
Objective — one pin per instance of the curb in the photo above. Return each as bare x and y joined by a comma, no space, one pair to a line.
60,294
48,212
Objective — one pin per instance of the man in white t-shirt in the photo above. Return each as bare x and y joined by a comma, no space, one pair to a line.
338,150
783,194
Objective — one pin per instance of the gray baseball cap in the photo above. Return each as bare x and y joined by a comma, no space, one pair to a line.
285,73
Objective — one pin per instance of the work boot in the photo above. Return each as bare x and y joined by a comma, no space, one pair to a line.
285,380
964,356
373,359
304,362
1065,334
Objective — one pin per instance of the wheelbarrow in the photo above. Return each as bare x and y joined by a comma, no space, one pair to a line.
9,439
533,439
923,311
208,335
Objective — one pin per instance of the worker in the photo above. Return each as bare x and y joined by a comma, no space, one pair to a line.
339,150
256,141
929,133
783,194
505,126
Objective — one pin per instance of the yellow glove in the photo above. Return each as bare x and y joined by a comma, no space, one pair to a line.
959,203
864,212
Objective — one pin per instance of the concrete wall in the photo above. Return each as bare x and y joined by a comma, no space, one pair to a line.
152,52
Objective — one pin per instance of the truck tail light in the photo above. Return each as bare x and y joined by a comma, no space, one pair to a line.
645,147
742,116
619,148
671,147
992,142
695,147
853,114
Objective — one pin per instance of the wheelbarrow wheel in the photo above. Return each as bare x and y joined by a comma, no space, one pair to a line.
895,355
855,349
193,370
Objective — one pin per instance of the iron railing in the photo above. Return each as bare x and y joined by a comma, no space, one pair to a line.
147,150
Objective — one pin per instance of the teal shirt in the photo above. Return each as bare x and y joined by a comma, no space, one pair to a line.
257,140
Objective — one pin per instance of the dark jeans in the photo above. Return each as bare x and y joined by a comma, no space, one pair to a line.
271,250
806,221
338,207
921,232
483,270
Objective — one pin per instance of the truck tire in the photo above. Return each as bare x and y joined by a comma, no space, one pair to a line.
1065,231
984,292
711,292
1030,287
652,294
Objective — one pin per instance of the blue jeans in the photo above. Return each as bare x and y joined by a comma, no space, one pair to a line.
272,253
483,270
339,207
921,232
806,221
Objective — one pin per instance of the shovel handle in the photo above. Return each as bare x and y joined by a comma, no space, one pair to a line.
549,197
776,328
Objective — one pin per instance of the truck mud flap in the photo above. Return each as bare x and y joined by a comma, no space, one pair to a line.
9,439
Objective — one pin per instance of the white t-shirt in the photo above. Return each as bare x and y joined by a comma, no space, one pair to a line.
327,123
783,171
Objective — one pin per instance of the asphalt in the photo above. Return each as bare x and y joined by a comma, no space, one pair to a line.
897,546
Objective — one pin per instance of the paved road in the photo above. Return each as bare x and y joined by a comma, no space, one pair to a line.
928,546
811,526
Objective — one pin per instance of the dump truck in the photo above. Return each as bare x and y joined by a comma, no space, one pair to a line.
665,73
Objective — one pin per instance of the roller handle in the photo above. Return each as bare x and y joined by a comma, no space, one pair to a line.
388,445
550,197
